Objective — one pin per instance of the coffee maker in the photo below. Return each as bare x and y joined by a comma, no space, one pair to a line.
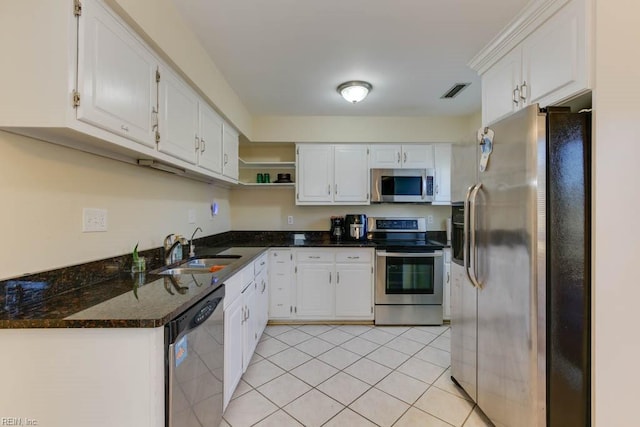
337,228
355,226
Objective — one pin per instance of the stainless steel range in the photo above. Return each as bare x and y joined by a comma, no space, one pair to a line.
408,272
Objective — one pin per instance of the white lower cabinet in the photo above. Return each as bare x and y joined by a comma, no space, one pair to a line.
280,284
354,298
249,330
233,341
446,285
314,289
321,284
245,317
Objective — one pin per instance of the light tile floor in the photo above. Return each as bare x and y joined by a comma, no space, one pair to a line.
350,376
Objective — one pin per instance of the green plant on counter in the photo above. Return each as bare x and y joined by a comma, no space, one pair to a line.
135,261
135,254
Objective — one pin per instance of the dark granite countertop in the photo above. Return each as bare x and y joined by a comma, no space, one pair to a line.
105,294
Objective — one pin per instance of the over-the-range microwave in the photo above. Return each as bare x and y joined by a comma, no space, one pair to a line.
402,185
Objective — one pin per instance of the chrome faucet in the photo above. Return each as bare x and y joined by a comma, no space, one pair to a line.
192,248
170,246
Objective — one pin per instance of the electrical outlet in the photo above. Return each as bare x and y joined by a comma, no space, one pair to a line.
290,220
192,216
429,219
94,220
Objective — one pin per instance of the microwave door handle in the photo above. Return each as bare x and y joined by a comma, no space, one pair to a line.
424,186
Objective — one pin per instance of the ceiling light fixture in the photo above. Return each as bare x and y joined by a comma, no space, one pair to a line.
355,90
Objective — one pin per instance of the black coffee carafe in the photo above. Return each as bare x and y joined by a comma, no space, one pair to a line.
337,228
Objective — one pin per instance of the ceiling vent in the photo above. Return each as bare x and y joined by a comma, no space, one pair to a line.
455,90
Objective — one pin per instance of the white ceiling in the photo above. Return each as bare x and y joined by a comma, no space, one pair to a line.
286,57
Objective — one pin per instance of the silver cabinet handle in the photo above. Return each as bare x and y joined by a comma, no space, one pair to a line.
448,277
314,257
335,191
523,91
398,157
353,257
124,128
405,157
337,277
516,95
226,158
329,277
329,189
203,146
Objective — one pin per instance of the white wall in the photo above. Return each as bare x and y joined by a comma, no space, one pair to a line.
267,209
359,129
616,205
159,22
43,188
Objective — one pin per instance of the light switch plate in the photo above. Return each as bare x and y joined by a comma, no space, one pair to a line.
94,220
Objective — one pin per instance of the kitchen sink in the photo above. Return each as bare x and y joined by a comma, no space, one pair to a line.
209,262
204,265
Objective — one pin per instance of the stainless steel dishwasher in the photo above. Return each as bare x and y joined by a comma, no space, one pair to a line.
195,364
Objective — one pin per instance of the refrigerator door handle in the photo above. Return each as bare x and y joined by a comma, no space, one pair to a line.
472,258
465,233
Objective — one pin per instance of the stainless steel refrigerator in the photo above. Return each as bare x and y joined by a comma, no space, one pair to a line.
520,328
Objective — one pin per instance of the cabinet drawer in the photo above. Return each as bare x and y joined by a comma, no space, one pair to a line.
236,283
314,256
360,255
260,264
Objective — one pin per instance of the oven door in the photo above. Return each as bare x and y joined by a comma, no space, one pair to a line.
457,234
409,278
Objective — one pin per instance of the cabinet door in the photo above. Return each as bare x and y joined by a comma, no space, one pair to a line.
314,289
262,303
116,77
230,143
280,284
418,156
386,156
554,57
354,291
498,86
351,174
314,173
178,121
446,296
443,173
249,335
233,342
210,139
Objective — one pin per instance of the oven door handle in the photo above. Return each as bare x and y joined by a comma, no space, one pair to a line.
385,254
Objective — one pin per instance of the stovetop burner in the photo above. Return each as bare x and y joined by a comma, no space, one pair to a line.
401,234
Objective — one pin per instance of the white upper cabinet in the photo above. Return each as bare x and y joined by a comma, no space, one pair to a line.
332,174
116,77
209,142
351,173
554,57
417,156
314,173
100,91
500,93
230,143
409,156
178,123
442,190
552,64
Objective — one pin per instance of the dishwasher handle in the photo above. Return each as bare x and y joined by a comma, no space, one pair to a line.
195,315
